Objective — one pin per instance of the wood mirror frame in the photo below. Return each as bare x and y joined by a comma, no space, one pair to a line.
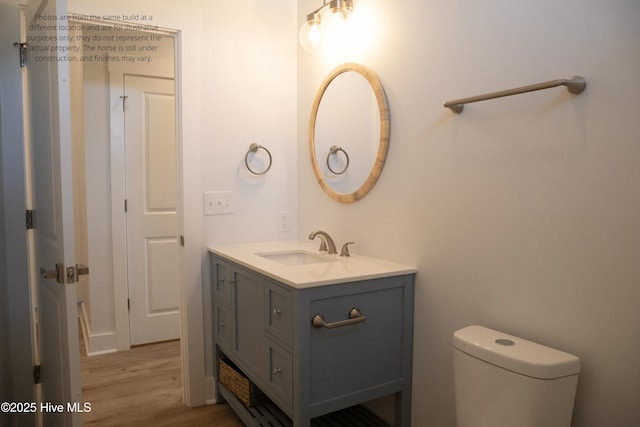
383,144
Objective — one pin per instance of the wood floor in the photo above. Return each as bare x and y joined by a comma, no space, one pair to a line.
143,387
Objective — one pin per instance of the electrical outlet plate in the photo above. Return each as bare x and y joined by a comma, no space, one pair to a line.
283,221
219,202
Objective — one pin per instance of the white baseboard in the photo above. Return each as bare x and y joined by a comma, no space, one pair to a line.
82,317
210,390
95,344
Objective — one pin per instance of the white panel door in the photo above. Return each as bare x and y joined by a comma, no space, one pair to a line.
50,110
19,311
152,227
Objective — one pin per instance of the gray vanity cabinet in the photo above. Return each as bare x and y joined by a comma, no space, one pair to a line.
265,328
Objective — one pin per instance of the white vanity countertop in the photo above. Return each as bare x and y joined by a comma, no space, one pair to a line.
337,270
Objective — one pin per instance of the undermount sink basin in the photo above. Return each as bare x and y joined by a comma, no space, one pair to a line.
296,257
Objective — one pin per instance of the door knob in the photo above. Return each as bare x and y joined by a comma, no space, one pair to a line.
70,275
57,274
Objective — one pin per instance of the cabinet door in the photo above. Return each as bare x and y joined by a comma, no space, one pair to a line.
279,312
361,356
222,326
249,342
220,280
280,378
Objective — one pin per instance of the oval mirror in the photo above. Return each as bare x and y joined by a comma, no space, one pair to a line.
349,132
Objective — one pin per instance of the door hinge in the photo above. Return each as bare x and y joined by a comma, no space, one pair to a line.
182,241
124,102
31,220
128,304
36,374
125,205
23,53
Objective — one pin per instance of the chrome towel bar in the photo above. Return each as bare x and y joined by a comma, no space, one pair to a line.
575,85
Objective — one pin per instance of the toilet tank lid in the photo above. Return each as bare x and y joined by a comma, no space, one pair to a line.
515,354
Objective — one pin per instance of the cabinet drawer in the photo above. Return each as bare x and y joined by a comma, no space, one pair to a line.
280,377
222,326
359,356
220,280
279,312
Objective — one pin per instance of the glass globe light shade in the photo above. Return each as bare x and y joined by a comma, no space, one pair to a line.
310,34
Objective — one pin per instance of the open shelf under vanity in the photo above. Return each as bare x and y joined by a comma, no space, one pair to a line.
267,414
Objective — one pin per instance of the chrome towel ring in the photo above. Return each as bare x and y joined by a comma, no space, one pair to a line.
333,150
253,148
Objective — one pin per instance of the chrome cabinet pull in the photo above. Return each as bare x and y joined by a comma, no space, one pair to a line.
355,316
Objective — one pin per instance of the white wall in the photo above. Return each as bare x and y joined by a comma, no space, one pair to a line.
248,95
520,214
98,286
5,359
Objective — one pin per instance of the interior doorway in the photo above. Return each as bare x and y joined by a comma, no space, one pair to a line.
126,139
151,208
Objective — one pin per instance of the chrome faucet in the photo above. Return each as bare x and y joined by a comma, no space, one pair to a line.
326,240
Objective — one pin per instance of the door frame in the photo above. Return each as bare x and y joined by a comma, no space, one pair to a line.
118,195
187,31
118,188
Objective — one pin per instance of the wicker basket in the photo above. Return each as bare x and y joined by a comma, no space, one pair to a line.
246,391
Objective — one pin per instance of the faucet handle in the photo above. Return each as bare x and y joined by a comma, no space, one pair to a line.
345,249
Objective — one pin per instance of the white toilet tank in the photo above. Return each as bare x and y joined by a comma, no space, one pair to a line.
506,381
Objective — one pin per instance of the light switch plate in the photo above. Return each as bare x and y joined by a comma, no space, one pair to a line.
219,202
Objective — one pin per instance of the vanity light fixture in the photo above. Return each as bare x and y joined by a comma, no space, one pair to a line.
338,11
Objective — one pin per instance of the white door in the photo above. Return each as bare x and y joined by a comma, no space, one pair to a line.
50,110
152,225
20,308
